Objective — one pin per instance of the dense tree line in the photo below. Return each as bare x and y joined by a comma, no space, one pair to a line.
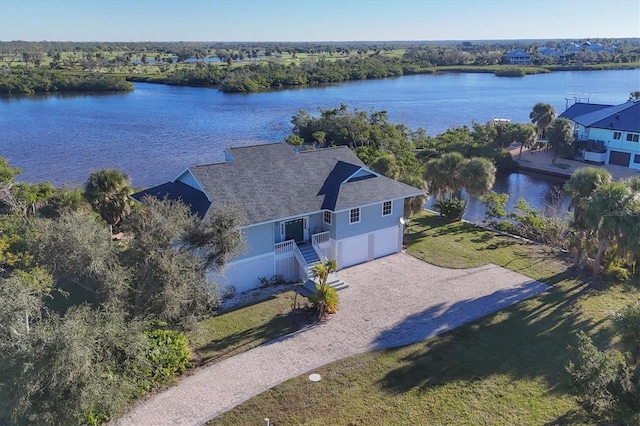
267,75
41,80
399,152
84,363
386,147
250,67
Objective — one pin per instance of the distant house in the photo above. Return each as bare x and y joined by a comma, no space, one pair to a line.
608,134
302,207
517,57
555,54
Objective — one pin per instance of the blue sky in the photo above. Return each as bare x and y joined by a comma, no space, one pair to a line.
315,20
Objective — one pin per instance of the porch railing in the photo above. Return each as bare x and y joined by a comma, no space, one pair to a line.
285,247
321,238
320,242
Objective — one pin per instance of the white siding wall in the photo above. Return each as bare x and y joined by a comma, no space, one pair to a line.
244,274
363,248
288,268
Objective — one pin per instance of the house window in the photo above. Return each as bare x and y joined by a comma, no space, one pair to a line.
617,135
632,137
636,158
386,208
326,217
354,215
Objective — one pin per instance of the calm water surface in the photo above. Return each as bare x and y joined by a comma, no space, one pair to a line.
156,131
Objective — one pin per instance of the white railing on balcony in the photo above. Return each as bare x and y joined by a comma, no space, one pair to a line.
321,238
285,247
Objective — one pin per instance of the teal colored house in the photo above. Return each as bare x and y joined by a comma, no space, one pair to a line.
302,207
607,134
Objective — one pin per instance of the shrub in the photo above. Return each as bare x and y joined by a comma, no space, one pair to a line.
451,208
504,161
495,205
616,273
510,72
506,226
168,353
324,300
270,282
606,386
593,376
331,306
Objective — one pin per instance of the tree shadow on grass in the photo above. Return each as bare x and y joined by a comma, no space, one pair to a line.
526,340
485,237
440,318
233,344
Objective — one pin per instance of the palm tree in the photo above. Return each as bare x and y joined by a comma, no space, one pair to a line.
605,216
580,186
526,135
629,243
542,115
560,137
325,298
478,177
435,178
443,175
452,165
109,193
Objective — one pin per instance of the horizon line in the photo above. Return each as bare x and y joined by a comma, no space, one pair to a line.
320,41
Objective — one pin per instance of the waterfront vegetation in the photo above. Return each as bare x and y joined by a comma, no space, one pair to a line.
251,67
41,80
147,295
86,360
506,368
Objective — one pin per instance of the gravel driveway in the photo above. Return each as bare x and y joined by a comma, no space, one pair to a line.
391,301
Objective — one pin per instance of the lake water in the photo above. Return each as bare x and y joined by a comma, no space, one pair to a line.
155,131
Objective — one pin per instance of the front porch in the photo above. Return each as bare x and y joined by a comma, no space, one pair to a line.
294,261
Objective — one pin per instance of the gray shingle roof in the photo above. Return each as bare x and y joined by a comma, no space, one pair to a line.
624,117
272,181
178,191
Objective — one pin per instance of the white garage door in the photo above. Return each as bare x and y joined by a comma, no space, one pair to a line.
354,251
385,242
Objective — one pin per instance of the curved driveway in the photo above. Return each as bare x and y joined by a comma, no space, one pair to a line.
393,301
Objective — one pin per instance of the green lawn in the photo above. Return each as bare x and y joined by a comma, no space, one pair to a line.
505,369
240,330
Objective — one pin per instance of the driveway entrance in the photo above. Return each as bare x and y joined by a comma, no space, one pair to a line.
393,301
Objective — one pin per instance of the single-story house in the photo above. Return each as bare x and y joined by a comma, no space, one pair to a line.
301,206
608,134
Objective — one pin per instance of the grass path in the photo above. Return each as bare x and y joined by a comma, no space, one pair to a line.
504,369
